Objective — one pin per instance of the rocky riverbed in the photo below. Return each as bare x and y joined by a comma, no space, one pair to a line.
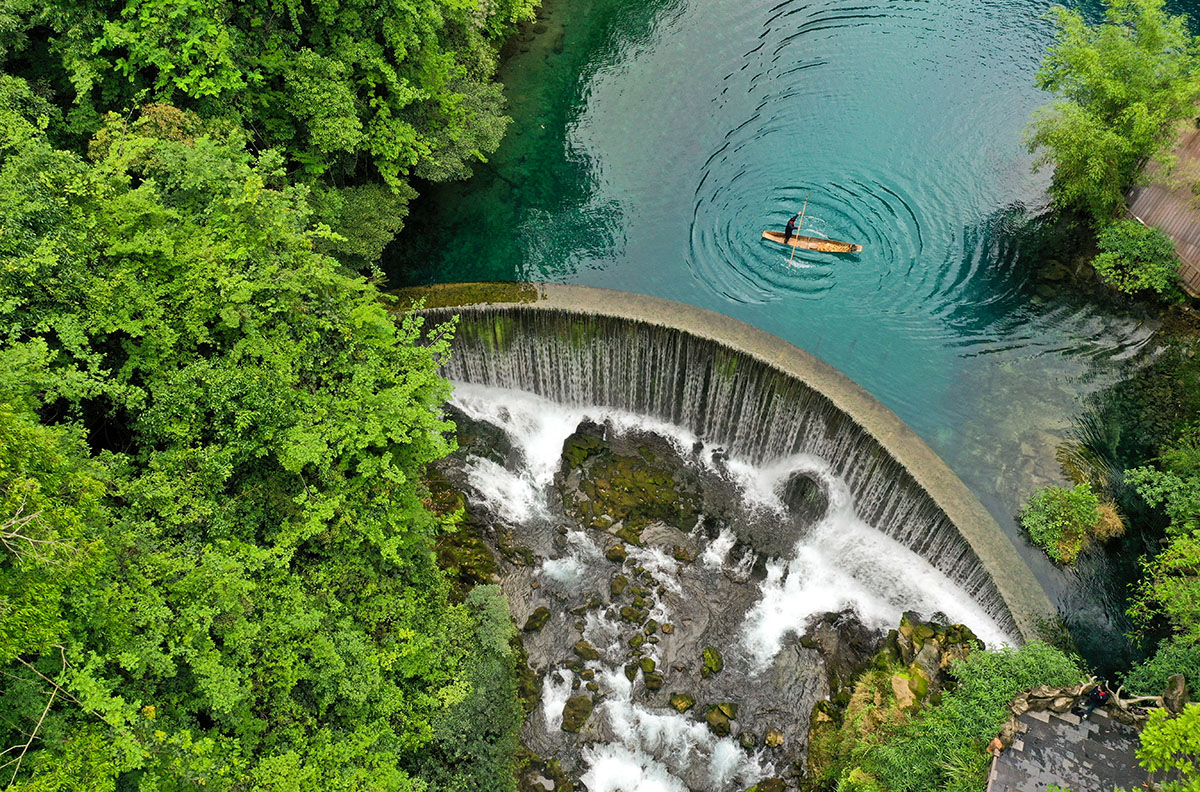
666,646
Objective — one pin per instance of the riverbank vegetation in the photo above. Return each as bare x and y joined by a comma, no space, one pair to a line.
920,717
1064,521
358,98
216,550
1122,90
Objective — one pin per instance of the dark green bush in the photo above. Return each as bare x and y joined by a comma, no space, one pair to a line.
1060,520
1177,655
1135,257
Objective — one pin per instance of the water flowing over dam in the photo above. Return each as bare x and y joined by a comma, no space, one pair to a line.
757,397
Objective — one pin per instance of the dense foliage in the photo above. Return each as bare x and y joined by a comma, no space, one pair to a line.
1134,257
1171,745
881,747
358,97
1122,88
943,747
217,566
1060,520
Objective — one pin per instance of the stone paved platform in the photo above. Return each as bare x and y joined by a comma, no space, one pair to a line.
1096,755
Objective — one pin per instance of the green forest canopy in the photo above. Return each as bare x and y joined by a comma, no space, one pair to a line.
358,97
216,565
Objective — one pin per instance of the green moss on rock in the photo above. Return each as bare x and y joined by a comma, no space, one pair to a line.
713,662
576,712
537,620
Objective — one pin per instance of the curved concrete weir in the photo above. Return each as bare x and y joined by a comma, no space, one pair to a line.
742,388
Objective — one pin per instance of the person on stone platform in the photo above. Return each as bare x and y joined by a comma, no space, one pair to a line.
1098,696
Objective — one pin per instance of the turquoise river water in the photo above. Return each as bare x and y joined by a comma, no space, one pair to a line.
654,140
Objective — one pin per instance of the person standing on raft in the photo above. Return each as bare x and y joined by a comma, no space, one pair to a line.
790,229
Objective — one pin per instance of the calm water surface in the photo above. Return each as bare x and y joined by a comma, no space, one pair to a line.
654,140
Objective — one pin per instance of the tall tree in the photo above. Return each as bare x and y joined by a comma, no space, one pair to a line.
1122,87
261,608
351,92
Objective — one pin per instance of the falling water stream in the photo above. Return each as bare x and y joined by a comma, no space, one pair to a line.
842,562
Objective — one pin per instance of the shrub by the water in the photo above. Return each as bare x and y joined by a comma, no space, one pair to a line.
944,747
1060,520
1176,655
1135,257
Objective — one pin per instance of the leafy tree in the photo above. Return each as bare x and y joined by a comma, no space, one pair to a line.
351,92
1171,744
1121,88
1134,257
262,609
1176,655
1061,520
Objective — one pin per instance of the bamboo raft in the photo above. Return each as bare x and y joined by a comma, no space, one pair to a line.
813,243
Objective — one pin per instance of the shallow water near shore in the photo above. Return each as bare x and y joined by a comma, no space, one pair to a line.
653,142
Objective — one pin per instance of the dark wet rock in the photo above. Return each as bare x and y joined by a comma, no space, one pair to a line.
616,553
682,702
482,439
717,721
713,663
747,740
618,584
576,712
1176,695
846,645
588,674
537,620
654,681
806,498
586,651
631,671
682,554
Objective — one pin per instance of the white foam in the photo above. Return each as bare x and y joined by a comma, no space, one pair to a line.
656,750
568,571
556,689
717,552
512,497
845,563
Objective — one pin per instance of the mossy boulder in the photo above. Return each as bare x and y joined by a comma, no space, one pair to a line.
618,585
718,721
576,712
586,651
771,785
647,664
632,614
774,738
619,483
713,662
653,681
682,702
537,620
617,553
